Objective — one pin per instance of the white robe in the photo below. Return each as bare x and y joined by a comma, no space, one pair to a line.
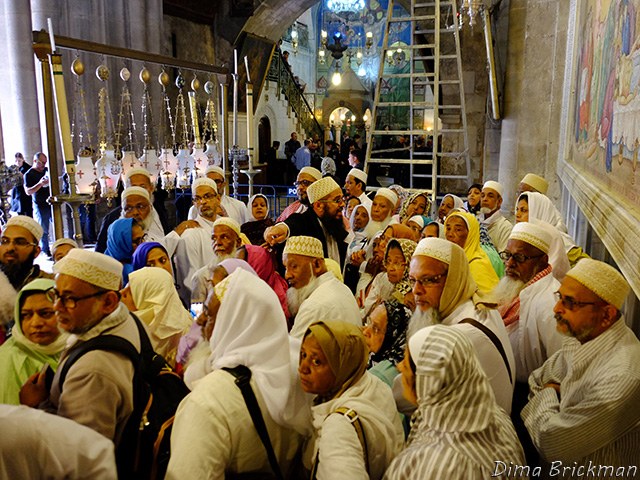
499,229
234,208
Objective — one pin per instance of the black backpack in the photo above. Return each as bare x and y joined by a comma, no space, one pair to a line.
144,449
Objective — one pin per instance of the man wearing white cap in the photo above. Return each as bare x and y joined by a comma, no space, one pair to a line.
98,389
61,247
225,240
137,201
19,249
583,405
446,293
533,183
525,297
306,177
322,221
233,207
314,293
355,186
490,202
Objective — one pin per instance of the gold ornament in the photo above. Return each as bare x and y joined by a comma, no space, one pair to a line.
195,84
102,72
77,67
164,79
125,74
145,76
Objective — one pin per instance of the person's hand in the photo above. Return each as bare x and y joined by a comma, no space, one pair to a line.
186,224
34,391
275,234
358,257
44,181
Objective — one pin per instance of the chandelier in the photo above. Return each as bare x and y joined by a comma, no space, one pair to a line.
343,6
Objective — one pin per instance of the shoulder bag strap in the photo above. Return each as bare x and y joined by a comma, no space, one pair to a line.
243,377
494,339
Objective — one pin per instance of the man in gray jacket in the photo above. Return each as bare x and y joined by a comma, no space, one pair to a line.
98,389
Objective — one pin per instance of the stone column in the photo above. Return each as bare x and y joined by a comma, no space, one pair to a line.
18,97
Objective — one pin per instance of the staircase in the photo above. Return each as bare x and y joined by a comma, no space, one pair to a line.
420,95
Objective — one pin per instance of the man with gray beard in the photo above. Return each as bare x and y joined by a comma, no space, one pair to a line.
314,293
525,297
445,293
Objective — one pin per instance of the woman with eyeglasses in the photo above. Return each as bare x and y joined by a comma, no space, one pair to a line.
34,343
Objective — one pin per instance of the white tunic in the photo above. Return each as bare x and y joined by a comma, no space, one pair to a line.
331,300
499,230
234,208
534,337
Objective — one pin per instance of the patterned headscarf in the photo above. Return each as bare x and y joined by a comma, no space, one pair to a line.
407,247
346,350
402,195
394,342
408,201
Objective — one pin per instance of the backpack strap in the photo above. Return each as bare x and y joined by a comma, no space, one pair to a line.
494,339
242,375
352,416
111,343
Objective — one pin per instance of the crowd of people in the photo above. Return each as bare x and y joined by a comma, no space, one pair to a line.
385,337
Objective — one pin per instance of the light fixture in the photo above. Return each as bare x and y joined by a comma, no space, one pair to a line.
336,78
368,40
390,57
471,8
322,57
353,118
323,38
359,57
294,40
343,117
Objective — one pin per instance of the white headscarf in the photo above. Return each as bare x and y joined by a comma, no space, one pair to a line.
542,208
251,330
158,303
250,217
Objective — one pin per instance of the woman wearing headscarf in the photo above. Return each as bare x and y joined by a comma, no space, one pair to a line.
264,264
328,169
394,281
534,206
417,203
151,296
451,435
152,254
463,229
35,340
358,242
472,205
258,219
433,229
449,202
417,224
123,236
333,364
385,333
213,433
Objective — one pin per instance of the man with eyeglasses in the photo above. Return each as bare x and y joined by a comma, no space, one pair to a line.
445,293
190,242
230,207
18,250
154,218
525,302
323,220
583,406
314,292
98,389
306,177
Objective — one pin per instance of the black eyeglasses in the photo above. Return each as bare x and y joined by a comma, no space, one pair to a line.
205,198
18,242
304,183
68,301
570,304
517,257
426,282
339,200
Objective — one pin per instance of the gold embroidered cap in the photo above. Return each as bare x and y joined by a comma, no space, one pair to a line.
92,267
602,279
536,182
437,248
303,245
532,234
28,223
321,188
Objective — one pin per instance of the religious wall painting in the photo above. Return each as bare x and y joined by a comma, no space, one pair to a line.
605,138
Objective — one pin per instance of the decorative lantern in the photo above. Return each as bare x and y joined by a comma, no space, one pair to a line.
129,162
169,168
109,170
185,165
85,173
152,163
212,153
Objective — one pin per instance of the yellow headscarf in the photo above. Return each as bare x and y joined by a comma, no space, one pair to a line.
346,350
479,264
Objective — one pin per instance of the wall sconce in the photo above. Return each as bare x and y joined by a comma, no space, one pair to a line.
322,57
359,57
294,41
390,57
323,38
336,78
368,40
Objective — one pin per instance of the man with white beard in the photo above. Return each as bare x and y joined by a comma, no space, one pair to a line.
445,293
154,220
314,293
490,203
525,297
225,239
382,209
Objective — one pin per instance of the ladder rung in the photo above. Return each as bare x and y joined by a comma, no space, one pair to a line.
432,57
433,30
399,161
423,175
451,130
417,46
433,4
452,177
412,19
399,132
407,75
450,154
405,104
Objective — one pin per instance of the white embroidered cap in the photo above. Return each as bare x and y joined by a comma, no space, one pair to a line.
437,248
493,185
203,182
532,234
135,191
314,172
602,279
92,267
536,181
388,194
28,223
320,189
214,169
228,222
137,171
63,241
419,219
303,245
359,174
